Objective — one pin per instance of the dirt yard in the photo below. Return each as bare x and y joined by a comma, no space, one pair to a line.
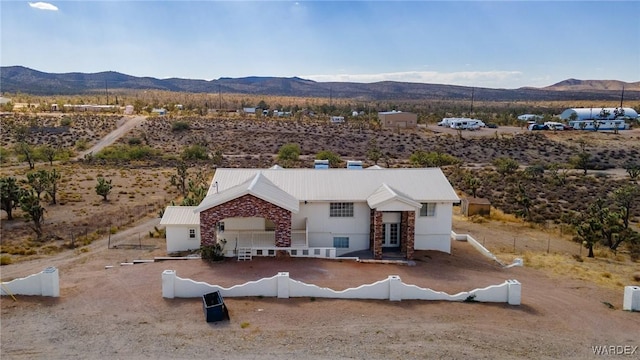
568,306
119,312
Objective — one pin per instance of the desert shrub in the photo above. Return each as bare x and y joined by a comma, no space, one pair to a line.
289,152
195,152
5,260
4,155
134,141
213,252
82,145
65,121
180,126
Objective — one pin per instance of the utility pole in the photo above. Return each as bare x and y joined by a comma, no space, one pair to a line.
106,89
471,111
219,97
622,97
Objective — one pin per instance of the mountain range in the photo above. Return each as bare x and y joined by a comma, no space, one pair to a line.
14,79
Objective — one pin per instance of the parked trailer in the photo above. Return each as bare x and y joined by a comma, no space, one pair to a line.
618,124
467,124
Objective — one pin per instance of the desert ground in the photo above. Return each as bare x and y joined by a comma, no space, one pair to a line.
569,303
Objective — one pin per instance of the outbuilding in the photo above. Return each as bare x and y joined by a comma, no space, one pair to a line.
398,119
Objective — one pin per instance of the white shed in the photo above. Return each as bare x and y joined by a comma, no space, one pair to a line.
182,226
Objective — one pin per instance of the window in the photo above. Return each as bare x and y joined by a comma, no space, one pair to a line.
341,210
341,242
192,233
428,209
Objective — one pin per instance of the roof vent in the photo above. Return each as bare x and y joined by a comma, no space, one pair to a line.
354,164
321,164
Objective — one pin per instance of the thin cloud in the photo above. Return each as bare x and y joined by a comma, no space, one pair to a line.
464,78
43,6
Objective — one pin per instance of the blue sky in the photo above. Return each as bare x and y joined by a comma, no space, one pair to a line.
473,43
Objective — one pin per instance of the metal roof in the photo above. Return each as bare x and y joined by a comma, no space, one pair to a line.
182,215
599,113
417,184
385,194
257,185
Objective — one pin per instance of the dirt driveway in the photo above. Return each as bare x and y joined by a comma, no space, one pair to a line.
120,313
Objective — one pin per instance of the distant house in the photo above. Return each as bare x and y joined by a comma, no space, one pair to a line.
4,100
398,119
128,110
249,111
324,213
337,119
161,111
530,117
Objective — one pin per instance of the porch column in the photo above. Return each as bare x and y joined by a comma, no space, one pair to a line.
377,236
283,229
372,229
409,233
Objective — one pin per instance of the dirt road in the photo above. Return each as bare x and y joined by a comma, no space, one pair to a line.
124,126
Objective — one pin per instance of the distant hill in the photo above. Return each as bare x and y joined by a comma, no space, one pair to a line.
587,85
25,80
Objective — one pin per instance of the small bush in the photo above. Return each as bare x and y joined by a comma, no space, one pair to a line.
213,252
180,126
65,121
195,152
134,141
5,260
244,324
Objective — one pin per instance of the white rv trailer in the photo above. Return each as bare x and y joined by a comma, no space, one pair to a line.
466,124
619,124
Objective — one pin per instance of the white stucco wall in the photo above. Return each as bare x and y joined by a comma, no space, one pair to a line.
248,224
322,228
44,283
178,238
392,288
434,232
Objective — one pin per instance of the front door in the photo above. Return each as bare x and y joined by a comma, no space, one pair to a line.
391,235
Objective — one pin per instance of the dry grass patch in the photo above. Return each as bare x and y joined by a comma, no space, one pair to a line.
613,274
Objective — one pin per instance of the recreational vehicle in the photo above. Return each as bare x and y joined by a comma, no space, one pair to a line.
467,124
618,124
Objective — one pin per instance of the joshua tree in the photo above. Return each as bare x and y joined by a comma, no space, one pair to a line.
30,204
103,187
9,195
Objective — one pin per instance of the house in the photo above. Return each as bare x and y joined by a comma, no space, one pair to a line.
398,119
337,119
161,111
325,213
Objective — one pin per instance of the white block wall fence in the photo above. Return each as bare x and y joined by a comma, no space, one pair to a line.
283,287
631,299
44,283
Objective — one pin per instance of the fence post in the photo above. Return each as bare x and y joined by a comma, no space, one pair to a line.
395,290
50,282
514,292
283,285
168,284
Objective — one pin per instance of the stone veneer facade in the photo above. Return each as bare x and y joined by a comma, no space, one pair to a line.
407,233
246,206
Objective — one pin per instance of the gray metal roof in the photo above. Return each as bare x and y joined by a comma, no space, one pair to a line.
599,113
417,184
385,194
182,215
258,185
